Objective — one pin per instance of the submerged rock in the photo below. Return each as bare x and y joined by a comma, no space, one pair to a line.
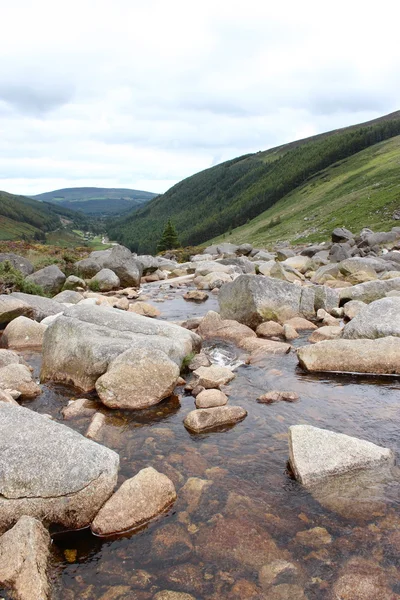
24,553
239,541
381,356
204,419
316,454
361,579
277,396
49,471
170,595
135,503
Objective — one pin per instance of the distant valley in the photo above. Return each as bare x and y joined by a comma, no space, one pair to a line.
100,202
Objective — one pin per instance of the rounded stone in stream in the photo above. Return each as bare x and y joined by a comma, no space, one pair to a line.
135,503
49,471
204,419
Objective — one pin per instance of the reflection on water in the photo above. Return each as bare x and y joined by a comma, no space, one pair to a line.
237,506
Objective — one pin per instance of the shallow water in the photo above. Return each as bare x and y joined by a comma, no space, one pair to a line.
251,497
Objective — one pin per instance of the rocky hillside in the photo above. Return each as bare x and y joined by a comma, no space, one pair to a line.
218,200
97,201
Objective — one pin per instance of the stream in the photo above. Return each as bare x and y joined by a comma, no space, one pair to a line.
203,548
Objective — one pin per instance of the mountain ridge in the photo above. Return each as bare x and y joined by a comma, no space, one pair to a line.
215,201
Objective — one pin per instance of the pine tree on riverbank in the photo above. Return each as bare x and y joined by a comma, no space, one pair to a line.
169,238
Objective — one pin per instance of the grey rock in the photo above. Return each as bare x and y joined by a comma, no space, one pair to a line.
341,234
149,263
11,308
79,346
68,297
24,555
353,307
8,357
136,502
251,299
87,267
244,264
40,307
244,249
74,283
23,333
18,377
355,264
125,266
316,454
369,291
227,248
204,419
49,471
18,262
393,256
381,238
106,280
339,252
261,255
379,319
379,356
284,253
51,279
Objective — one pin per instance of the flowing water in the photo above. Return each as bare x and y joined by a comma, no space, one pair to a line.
250,509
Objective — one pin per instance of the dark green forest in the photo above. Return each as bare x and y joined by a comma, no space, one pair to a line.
219,199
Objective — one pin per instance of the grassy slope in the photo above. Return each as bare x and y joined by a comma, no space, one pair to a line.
216,200
360,191
24,217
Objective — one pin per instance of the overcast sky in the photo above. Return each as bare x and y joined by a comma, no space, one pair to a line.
142,93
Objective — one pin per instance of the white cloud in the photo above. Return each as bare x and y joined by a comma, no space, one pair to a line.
142,94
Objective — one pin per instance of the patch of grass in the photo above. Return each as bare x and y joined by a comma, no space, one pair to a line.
186,361
361,191
94,286
12,280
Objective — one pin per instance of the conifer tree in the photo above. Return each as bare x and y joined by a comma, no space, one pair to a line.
169,238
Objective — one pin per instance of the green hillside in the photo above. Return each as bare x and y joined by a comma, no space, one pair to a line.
360,191
24,218
97,201
220,199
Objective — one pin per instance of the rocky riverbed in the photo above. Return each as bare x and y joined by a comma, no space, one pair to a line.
216,513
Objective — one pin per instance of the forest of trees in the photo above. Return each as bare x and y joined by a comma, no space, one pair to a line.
221,198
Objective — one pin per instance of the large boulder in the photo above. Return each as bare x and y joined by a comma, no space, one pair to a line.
378,319
50,472
82,345
74,283
135,503
369,291
11,308
251,299
125,266
40,307
24,554
23,333
138,378
18,262
105,280
51,279
244,264
316,454
380,356
119,259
